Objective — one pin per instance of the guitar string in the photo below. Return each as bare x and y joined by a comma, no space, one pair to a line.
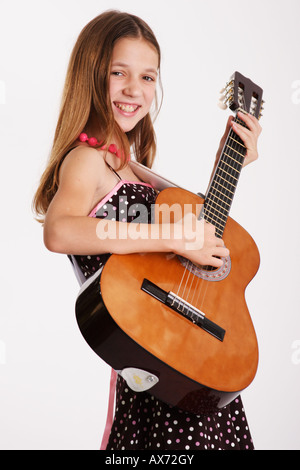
237,143
208,211
237,167
189,268
188,273
189,265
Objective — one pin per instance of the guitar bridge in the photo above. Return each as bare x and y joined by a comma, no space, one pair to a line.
185,309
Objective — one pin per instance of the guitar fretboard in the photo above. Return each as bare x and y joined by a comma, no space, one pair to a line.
223,185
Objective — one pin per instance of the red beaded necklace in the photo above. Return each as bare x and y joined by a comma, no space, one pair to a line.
92,141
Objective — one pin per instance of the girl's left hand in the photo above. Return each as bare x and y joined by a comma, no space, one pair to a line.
249,136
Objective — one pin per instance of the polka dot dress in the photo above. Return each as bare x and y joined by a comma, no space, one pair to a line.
144,423
129,201
141,421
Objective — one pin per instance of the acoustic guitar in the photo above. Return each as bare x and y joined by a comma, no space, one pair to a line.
183,331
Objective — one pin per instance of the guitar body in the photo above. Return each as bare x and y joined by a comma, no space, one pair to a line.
127,327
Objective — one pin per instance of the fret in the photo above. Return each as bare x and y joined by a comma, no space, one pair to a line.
227,164
219,232
240,121
216,182
239,143
214,195
230,156
216,210
236,151
210,209
215,203
231,176
214,222
224,179
222,188
237,139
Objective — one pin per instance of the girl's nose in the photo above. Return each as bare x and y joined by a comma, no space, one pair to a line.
132,88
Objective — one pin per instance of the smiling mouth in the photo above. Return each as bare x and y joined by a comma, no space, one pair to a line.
127,108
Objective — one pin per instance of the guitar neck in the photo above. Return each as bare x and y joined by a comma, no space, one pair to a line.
222,188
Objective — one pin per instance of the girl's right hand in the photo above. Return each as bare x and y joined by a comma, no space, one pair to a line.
196,240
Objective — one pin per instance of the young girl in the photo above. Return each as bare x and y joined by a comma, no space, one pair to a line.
109,91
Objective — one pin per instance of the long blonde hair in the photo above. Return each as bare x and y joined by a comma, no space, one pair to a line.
86,103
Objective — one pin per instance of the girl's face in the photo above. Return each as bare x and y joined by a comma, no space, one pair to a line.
132,86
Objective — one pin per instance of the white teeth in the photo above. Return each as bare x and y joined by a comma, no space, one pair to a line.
127,108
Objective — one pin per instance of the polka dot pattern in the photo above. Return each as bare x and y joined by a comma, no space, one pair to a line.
129,202
144,423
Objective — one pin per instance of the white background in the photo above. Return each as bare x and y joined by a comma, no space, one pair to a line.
53,388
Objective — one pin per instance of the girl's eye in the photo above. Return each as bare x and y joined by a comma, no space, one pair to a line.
148,79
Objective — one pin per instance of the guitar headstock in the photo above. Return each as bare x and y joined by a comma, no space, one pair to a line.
240,93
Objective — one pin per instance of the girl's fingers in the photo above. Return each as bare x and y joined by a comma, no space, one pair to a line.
248,135
251,122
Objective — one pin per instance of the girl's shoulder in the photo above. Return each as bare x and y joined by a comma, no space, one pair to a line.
83,162
84,154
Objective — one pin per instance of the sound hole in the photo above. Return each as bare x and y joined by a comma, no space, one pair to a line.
208,273
209,268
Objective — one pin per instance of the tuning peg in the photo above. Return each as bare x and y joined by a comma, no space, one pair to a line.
222,99
226,97
227,87
261,108
222,105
